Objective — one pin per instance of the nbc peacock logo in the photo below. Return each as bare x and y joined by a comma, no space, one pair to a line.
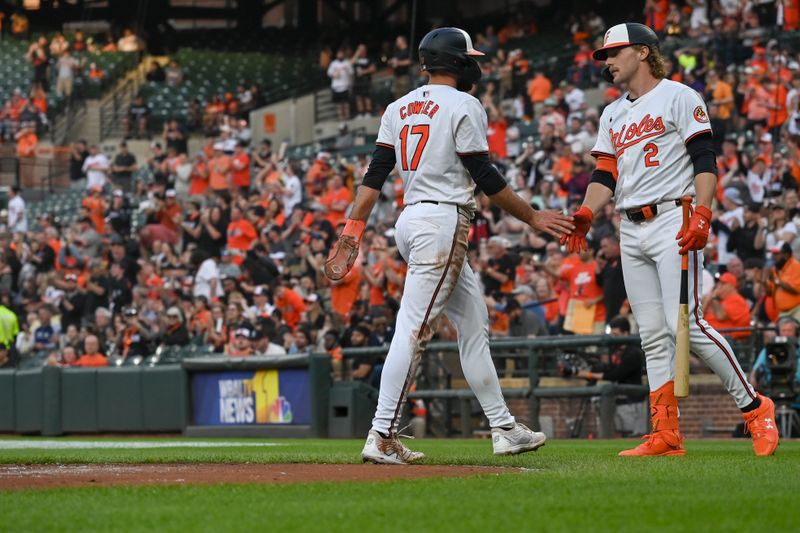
280,411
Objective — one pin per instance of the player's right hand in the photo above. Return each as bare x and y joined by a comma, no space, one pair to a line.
576,240
552,222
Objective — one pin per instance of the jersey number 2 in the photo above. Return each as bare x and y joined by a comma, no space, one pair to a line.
650,151
419,129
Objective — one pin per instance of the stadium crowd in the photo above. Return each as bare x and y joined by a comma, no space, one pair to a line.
225,247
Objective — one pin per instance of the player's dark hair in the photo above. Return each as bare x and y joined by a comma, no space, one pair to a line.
656,62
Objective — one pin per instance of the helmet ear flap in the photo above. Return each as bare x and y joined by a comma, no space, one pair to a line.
470,75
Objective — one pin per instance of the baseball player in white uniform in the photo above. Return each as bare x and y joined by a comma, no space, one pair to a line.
655,146
436,135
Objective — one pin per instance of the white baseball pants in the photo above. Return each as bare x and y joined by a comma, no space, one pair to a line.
651,267
432,238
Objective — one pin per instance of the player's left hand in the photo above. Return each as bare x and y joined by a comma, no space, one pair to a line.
345,251
695,236
552,222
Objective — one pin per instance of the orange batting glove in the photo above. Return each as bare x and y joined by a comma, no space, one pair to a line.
576,241
345,251
696,235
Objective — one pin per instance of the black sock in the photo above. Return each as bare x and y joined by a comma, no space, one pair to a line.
507,428
384,435
755,404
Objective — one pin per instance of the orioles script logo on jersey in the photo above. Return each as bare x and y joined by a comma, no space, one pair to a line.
627,136
425,107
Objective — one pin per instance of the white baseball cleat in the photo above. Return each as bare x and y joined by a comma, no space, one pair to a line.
518,439
388,451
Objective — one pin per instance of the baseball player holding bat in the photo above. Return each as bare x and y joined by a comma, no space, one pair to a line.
654,147
436,135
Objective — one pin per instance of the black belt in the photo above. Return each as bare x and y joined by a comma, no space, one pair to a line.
461,209
646,212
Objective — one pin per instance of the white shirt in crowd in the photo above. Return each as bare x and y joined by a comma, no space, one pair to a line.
207,273
66,67
340,71
777,237
575,99
17,217
757,185
294,194
96,169
273,349
727,218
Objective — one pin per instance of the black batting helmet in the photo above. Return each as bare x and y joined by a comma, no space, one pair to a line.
451,50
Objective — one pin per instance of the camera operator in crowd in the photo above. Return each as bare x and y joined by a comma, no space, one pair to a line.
625,365
761,375
776,372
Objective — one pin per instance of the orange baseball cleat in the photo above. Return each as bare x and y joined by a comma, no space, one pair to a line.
666,438
761,424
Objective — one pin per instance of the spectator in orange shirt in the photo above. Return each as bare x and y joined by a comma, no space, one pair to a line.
496,134
92,357
219,167
290,304
318,174
97,206
725,308
720,92
26,142
169,215
241,234
785,282
655,12
791,15
539,88
198,180
39,100
168,218
344,293
777,112
96,73
759,104
337,199
240,168
584,289
582,71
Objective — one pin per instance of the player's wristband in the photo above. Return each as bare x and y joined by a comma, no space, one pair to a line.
354,228
704,212
586,212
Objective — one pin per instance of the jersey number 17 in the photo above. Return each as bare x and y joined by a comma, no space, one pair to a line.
423,130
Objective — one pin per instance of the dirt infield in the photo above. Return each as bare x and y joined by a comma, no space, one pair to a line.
18,477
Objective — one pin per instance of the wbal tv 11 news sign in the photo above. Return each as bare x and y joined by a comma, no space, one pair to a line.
275,396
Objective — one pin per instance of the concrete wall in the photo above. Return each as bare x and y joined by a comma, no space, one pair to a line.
291,119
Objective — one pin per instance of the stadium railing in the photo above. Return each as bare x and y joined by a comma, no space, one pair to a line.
540,357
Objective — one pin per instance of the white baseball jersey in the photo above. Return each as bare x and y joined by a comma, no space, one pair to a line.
428,129
648,137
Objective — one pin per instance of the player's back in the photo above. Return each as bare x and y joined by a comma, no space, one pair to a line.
428,128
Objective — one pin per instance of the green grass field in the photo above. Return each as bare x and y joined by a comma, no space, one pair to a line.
566,486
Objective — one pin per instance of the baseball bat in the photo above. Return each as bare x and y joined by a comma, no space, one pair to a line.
682,333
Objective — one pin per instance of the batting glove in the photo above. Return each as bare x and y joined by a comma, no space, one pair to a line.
345,251
696,235
576,241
